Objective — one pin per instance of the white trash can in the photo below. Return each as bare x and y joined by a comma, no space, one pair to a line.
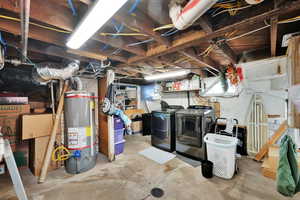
221,151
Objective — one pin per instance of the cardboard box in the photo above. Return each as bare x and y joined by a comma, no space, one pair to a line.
270,165
13,100
137,127
38,104
17,109
37,151
10,122
134,112
10,128
37,125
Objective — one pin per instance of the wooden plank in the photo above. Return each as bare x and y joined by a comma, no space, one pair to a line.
52,50
144,24
273,32
46,11
60,16
103,123
267,170
40,34
51,143
196,37
196,58
264,150
227,51
205,24
122,43
87,54
224,47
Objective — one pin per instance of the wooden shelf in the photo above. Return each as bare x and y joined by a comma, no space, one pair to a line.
194,90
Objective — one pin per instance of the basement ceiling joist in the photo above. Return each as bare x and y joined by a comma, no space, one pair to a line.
61,17
195,38
47,12
48,36
144,24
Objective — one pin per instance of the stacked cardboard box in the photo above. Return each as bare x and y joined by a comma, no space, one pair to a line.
10,122
37,128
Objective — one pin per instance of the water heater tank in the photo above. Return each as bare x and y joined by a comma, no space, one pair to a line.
80,137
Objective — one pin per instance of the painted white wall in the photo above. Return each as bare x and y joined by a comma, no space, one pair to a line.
259,77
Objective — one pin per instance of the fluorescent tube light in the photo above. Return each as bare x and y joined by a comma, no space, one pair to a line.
167,75
95,18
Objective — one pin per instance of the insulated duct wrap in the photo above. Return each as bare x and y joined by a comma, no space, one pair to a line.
183,17
49,71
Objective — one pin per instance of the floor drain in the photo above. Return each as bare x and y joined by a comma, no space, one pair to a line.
157,192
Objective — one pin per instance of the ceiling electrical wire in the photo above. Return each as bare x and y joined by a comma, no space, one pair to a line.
248,33
141,42
35,24
232,11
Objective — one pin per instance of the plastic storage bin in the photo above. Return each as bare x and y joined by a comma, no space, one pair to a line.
118,123
221,151
119,135
119,147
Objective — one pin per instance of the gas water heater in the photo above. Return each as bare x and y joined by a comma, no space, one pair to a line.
80,136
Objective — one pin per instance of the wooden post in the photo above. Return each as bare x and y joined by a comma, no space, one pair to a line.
110,120
294,57
47,157
106,129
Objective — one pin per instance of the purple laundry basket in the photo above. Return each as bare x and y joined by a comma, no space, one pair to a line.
118,123
119,147
119,135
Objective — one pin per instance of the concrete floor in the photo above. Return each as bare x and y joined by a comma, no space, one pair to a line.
132,176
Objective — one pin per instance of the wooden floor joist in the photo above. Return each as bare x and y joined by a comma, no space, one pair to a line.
194,38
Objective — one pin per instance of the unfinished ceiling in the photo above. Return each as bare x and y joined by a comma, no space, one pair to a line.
140,39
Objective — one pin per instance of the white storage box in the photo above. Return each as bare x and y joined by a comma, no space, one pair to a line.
221,151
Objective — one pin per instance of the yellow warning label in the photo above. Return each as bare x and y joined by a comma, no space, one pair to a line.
92,104
88,131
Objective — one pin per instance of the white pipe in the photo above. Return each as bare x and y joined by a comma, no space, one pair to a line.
182,18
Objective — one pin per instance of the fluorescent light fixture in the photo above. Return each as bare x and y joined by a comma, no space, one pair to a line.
95,18
167,75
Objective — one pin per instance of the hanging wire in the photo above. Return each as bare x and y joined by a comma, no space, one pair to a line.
3,42
232,11
116,51
71,5
248,33
142,42
170,33
26,58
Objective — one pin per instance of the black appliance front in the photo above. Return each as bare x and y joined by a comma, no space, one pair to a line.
191,127
163,130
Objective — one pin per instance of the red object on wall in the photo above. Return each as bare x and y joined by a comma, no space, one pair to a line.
239,71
